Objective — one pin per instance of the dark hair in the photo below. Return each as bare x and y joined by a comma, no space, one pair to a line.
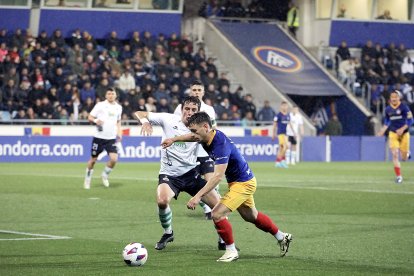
199,118
197,82
191,99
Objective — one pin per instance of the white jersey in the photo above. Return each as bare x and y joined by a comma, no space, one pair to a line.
204,107
295,120
210,112
180,157
110,114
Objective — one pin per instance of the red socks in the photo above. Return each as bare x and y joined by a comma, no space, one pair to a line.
264,223
397,171
225,231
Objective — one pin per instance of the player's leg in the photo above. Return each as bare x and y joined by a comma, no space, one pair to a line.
288,150
96,149
280,152
207,170
405,146
283,147
293,147
112,150
225,231
164,196
394,143
265,223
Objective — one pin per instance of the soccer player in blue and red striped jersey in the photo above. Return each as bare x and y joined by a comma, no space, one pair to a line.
242,184
280,123
398,119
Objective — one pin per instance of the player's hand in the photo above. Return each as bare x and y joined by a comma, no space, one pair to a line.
273,138
118,138
167,142
400,131
146,129
193,202
99,122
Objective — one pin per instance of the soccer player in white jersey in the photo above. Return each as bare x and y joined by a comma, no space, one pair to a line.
206,163
294,136
179,171
107,117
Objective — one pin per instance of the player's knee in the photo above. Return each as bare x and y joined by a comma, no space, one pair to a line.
217,216
163,202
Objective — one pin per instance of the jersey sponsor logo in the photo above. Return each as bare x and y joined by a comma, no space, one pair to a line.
277,59
166,179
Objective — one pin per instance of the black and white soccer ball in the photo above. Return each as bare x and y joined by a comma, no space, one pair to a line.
135,254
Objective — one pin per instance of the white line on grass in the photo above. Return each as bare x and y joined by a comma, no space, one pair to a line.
38,236
265,181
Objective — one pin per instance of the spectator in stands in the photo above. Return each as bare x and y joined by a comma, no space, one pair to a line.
266,113
342,12
3,36
379,51
135,41
392,51
164,106
193,21
385,16
21,115
333,126
101,4
149,40
293,18
3,51
369,50
43,39
58,38
347,73
126,81
87,91
87,38
407,69
248,105
402,53
248,120
342,53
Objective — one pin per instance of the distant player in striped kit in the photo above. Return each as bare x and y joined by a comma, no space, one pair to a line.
294,132
206,163
398,119
107,117
179,171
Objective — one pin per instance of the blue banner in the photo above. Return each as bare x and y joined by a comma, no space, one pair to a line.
279,59
378,32
132,149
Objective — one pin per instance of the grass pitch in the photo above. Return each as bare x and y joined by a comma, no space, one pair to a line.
346,218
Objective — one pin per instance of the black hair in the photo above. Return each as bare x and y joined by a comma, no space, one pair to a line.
191,99
199,118
197,82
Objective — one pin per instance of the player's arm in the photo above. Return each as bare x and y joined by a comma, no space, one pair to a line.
219,173
142,116
182,138
387,123
409,122
94,120
119,131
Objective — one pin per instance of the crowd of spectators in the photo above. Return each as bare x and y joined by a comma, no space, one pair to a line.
381,69
53,77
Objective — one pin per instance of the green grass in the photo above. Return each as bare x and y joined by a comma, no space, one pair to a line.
346,218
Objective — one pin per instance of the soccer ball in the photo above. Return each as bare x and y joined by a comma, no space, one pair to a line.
135,254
